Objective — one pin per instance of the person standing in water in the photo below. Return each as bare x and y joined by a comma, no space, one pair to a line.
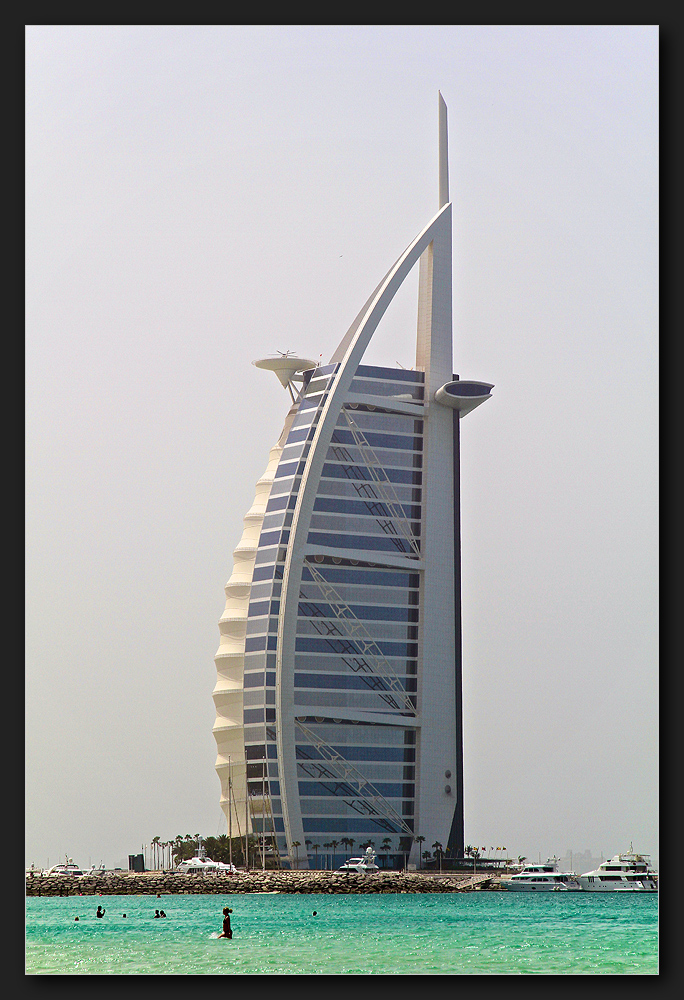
227,932
100,912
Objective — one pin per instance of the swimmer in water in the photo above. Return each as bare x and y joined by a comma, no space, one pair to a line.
100,912
227,932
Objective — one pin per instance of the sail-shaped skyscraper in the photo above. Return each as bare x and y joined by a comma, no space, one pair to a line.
338,693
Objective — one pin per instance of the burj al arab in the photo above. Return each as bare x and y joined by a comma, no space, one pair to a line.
339,672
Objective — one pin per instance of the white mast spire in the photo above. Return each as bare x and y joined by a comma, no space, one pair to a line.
443,153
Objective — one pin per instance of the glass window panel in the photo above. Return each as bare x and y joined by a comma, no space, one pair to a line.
358,826
335,789
300,434
361,474
365,490
393,374
379,522
255,643
344,682
342,734
376,753
276,503
375,631
382,422
370,701
253,697
364,595
334,663
289,469
293,451
262,572
310,402
264,556
269,538
363,575
385,459
344,436
254,662
316,644
285,486
317,385
257,608
364,612
364,507
374,388
306,415
256,626
386,543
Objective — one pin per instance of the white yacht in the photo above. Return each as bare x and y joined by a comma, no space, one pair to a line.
628,872
68,868
365,864
201,864
196,865
543,878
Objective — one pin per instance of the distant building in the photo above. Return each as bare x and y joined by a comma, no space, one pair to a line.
580,861
338,694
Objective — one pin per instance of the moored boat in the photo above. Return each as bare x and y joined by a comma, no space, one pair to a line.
202,865
366,864
542,878
68,868
628,872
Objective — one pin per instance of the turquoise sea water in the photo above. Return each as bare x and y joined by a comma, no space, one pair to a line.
477,933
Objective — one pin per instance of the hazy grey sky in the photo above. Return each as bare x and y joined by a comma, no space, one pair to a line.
199,196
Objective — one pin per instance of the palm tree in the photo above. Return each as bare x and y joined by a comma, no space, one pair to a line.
155,852
334,845
419,840
296,844
438,853
177,849
348,843
223,848
316,847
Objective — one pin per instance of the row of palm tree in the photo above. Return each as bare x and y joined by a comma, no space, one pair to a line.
162,852
171,852
348,842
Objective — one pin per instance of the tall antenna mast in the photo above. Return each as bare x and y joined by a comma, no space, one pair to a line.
443,154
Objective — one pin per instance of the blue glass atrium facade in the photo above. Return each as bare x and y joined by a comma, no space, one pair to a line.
357,623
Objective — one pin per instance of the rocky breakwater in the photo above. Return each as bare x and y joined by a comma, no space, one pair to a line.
172,883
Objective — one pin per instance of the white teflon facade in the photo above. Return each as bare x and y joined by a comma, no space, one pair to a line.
230,658
339,674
